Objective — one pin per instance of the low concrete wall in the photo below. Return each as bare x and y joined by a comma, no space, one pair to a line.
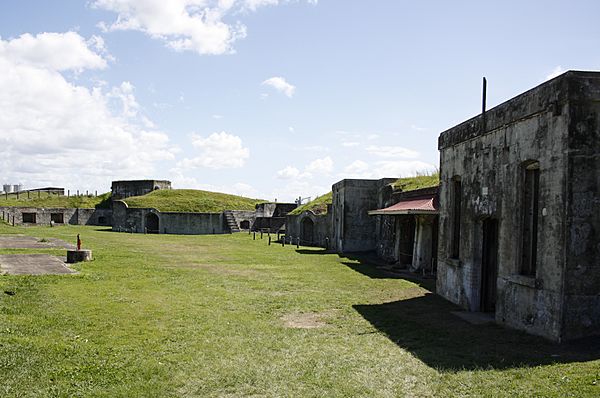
72,216
139,220
313,230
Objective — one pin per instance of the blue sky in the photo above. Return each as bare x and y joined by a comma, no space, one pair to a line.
265,98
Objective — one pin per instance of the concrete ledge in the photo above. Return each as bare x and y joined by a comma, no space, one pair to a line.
75,256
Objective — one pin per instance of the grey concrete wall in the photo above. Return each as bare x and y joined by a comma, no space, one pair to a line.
582,271
127,219
70,215
547,124
321,229
353,230
244,215
125,189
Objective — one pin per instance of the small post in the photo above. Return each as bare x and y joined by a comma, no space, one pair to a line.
261,233
39,194
17,194
68,193
78,243
78,192
86,193
327,243
297,242
13,220
28,195
96,193
253,235
269,240
283,242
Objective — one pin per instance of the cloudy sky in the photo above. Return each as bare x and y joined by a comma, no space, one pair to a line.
264,98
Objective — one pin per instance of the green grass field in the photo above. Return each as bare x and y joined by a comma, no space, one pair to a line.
43,199
192,200
227,316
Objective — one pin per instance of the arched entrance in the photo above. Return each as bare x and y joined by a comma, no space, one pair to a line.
245,224
151,223
307,231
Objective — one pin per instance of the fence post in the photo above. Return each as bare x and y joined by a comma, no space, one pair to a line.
254,235
269,241
298,243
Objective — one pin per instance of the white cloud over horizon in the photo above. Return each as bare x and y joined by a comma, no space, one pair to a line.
56,132
217,151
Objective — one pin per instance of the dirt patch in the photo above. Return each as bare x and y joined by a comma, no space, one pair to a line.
30,242
33,264
306,320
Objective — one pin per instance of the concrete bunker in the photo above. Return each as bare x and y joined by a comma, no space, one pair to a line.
519,219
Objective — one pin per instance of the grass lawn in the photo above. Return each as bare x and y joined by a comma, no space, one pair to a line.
223,315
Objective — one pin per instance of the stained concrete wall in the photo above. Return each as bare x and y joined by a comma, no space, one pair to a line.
125,189
70,215
127,219
555,124
320,236
353,230
244,215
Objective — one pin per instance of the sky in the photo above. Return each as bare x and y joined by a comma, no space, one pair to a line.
271,99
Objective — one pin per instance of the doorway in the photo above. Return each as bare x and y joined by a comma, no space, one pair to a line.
151,223
307,231
489,265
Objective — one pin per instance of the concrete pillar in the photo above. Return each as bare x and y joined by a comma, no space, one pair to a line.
422,254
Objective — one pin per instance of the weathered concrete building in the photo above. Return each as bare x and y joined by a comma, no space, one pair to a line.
312,229
352,229
46,216
407,229
148,220
519,215
125,189
271,216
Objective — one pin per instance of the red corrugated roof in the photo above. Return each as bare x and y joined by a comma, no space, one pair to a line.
420,205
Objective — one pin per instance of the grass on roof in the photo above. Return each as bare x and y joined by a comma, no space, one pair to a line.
192,200
55,201
317,206
418,182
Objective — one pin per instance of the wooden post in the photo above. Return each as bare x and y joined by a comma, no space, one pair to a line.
253,235
68,193
269,240
297,242
261,232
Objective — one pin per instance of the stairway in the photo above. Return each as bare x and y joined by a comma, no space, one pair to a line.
231,223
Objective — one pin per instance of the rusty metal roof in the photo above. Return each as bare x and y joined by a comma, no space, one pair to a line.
426,204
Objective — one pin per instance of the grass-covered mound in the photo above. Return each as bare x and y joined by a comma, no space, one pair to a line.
56,201
317,206
418,182
192,200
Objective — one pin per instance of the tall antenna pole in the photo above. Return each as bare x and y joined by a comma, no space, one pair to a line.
483,100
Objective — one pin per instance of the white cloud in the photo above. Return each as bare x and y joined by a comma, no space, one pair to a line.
184,25
217,151
357,169
391,151
350,144
55,132
320,166
55,51
281,85
217,116
372,137
288,172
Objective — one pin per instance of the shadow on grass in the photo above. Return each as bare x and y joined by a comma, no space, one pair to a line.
425,327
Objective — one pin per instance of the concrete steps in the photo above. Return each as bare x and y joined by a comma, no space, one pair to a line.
231,223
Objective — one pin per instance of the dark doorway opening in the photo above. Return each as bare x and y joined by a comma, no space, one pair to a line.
245,224
489,265
102,220
29,218
406,239
151,223
57,218
308,231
